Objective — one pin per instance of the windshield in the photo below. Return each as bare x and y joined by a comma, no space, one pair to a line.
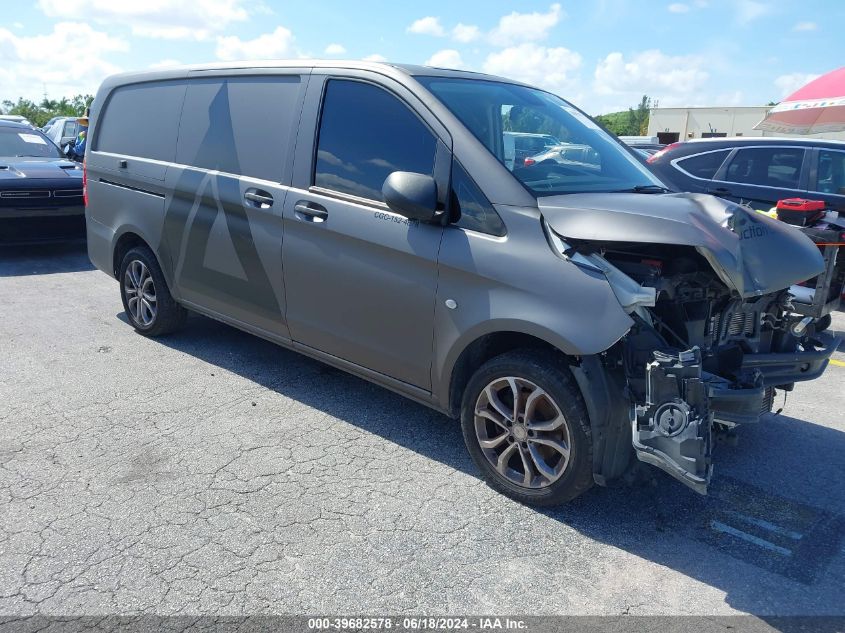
549,145
18,141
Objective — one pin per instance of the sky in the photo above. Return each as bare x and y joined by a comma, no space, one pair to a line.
601,55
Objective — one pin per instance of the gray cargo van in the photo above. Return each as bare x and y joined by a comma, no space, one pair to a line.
577,318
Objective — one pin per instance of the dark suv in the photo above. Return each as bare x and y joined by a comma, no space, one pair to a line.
757,171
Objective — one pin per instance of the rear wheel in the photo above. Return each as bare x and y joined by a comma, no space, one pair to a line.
151,309
526,428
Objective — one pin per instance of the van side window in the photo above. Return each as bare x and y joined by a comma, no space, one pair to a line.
768,166
704,165
470,208
141,120
239,125
366,134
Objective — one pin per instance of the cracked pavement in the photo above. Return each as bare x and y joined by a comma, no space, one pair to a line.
212,472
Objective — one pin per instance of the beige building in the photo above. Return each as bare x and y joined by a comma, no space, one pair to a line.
675,124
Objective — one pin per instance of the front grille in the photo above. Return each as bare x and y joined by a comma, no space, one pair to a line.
19,194
68,193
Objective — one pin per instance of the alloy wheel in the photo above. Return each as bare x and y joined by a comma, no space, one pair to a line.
140,292
522,432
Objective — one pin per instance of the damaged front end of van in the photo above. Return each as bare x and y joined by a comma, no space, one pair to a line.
706,284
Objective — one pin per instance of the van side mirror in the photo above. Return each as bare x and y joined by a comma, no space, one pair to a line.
412,195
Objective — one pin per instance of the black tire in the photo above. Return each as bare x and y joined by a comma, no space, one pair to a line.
169,315
551,373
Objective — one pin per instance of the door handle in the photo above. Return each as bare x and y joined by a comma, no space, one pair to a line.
719,191
310,211
259,198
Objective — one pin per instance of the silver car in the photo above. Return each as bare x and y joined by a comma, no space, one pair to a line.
577,321
63,130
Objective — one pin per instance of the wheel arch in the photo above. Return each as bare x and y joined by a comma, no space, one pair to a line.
602,393
129,237
481,348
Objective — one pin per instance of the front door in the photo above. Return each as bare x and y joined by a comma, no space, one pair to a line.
360,279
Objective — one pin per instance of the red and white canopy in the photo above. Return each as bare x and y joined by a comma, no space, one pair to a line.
817,107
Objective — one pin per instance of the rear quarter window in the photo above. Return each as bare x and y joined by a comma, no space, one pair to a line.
141,120
703,165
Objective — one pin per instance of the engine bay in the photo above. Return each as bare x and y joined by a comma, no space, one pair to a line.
699,358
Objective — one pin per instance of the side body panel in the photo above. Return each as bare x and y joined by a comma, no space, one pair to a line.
223,223
517,284
127,191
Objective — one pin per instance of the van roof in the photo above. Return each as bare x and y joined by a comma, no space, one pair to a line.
387,68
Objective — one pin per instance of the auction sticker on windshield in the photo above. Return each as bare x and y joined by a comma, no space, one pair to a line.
32,138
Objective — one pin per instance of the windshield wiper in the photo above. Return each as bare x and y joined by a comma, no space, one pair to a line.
645,189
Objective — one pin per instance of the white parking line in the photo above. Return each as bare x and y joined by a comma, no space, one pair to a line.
771,527
727,529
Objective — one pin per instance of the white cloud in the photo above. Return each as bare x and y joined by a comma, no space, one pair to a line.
550,68
165,63
673,80
427,26
57,61
735,98
787,84
805,26
275,45
168,19
447,58
678,7
17,25
465,33
375,57
749,10
335,49
525,27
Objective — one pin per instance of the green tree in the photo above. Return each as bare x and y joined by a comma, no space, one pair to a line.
528,119
634,122
39,113
25,108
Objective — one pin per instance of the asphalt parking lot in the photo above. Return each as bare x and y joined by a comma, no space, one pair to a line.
212,472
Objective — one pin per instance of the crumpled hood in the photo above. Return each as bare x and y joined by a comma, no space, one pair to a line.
752,253
13,168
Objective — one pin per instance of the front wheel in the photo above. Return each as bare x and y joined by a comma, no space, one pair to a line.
151,308
526,427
